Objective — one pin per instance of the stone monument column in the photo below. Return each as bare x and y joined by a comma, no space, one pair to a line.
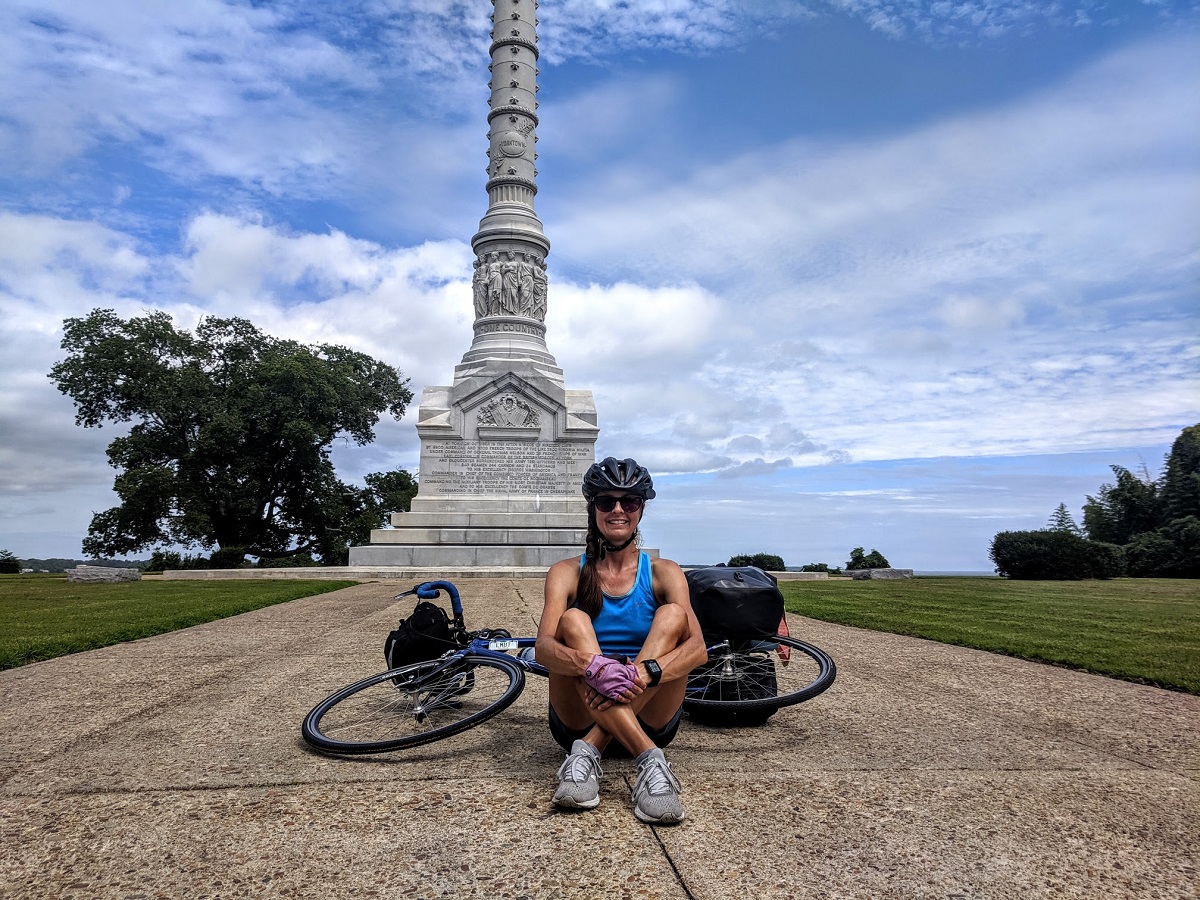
503,448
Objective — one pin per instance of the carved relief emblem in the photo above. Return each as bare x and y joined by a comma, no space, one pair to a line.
511,143
509,411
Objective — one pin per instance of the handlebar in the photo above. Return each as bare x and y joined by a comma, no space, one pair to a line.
430,590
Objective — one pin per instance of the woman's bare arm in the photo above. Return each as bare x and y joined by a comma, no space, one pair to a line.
561,583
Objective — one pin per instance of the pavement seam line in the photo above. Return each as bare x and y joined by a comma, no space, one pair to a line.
679,879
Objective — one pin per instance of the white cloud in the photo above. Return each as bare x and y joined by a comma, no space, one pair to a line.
956,20
900,297
976,313
628,332
756,467
1081,183
395,304
591,28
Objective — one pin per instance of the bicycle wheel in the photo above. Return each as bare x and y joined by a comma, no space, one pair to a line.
746,683
413,705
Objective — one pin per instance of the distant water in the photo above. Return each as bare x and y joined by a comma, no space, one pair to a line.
958,573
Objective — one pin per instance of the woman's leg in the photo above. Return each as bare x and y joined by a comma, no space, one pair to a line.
657,706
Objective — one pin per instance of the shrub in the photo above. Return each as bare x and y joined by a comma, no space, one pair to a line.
768,562
821,567
1054,556
228,558
161,560
1172,551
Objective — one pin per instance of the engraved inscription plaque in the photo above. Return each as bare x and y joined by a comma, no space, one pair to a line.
503,467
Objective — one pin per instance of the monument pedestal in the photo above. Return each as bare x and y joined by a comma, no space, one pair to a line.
503,454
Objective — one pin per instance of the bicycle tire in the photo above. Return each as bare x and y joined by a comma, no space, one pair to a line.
413,705
749,682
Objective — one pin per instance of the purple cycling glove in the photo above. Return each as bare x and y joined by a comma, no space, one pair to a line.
610,677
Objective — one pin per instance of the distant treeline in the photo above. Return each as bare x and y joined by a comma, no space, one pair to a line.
1140,526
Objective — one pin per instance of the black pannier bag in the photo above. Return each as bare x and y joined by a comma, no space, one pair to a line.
735,602
423,635
743,605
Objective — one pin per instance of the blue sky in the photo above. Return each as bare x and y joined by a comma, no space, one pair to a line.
841,272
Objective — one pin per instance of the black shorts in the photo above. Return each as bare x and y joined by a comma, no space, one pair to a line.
616,750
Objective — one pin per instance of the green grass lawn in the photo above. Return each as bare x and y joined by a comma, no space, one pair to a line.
1144,629
44,616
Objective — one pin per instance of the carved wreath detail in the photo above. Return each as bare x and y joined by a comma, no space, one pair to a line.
509,411
513,286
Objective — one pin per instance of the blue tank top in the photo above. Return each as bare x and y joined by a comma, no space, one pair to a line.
623,622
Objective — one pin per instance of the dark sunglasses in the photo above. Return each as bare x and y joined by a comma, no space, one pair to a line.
631,503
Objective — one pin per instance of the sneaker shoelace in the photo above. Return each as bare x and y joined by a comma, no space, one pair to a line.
578,767
658,778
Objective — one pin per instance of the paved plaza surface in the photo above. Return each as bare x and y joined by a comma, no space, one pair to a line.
173,767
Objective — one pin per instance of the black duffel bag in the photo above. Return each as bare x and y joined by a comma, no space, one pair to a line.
735,603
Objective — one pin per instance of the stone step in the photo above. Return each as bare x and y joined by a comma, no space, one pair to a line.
491,504
488,520
573,537
445,556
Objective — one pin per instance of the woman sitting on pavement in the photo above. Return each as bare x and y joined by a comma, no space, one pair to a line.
619,637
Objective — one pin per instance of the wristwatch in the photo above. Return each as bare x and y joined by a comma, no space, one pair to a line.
654,670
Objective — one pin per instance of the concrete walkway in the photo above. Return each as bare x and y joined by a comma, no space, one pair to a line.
173,767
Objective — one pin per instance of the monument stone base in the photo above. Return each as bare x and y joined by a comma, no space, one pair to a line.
503,454
487,530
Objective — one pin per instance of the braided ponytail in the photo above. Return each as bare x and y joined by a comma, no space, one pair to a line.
588,596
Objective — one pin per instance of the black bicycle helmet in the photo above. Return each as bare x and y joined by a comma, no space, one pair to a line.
612,474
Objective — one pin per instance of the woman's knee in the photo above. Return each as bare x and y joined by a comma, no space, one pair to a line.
671,619
574,626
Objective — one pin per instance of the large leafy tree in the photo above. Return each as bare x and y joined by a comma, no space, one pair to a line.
231,435
1181,478
1120,511
872,560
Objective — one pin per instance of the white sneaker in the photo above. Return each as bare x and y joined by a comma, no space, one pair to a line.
656,793
579,778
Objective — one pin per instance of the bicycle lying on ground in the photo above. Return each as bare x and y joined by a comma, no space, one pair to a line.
742,683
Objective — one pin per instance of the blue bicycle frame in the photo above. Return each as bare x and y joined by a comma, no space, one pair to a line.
483,644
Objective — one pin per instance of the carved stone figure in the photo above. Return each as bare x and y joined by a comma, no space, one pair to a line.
513,286
539,291
479,289
525,278
509,272
495,285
